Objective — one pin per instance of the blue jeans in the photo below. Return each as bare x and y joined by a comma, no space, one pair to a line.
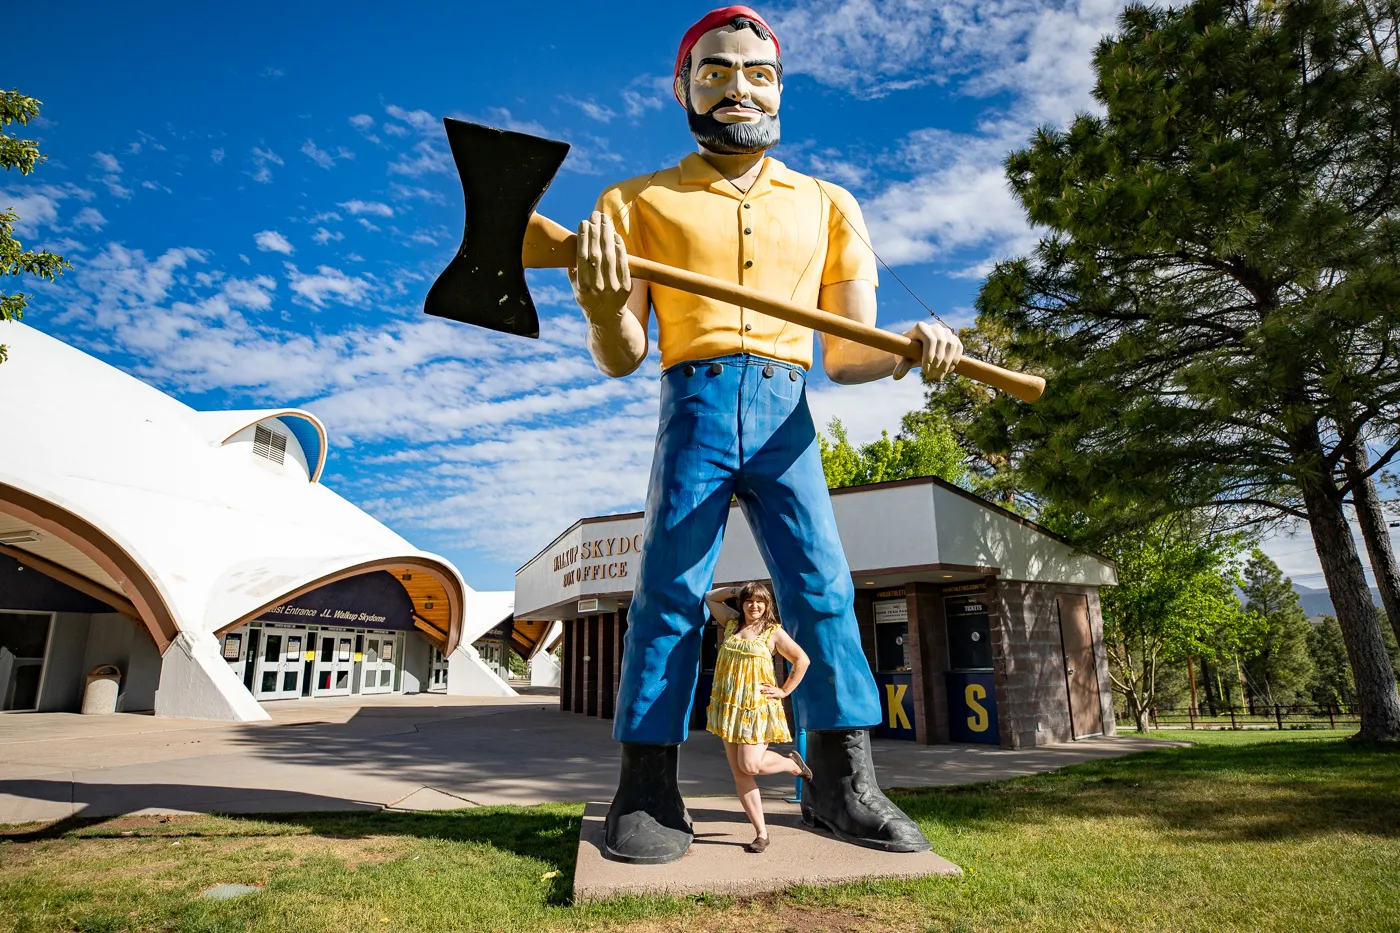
738,433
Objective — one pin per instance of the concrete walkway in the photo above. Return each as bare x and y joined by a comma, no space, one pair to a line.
406,752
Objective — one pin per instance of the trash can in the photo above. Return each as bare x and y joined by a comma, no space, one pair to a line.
103,684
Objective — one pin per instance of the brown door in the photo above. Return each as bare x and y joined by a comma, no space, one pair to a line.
1081,672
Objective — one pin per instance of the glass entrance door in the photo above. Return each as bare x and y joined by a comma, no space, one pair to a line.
493,653
334,664
280,664
377,668
437,682
24,640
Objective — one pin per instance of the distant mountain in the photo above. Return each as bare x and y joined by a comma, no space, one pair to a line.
1319,602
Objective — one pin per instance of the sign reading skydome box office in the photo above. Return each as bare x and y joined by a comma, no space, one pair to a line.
611,558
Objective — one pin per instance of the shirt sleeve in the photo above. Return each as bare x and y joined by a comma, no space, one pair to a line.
615,203
849,256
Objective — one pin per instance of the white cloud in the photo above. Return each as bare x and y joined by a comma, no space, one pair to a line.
107,162
427,157
38,206
323,236
953,198
648,92
591,109
367,224
323,158
216,156
372,208
270,241
328,285
866,409
362,122
420,120
417,191
262,158
89,217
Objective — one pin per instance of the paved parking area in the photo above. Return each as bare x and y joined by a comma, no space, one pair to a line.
405,752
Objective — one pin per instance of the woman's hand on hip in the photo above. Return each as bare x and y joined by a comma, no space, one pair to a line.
769,690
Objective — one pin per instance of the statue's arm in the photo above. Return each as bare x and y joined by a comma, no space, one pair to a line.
615,306
848,362
848,290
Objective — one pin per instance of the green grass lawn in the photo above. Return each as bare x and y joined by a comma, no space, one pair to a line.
1257,832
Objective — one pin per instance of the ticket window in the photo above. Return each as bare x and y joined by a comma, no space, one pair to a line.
969,632
892,636
894,676
972,701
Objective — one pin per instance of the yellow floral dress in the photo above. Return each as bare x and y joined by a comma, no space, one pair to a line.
739,712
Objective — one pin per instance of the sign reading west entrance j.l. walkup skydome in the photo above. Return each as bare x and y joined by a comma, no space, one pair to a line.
373,600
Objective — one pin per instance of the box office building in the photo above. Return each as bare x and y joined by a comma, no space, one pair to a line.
198,556
979,626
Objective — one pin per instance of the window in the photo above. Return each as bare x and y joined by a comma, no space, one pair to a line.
969,632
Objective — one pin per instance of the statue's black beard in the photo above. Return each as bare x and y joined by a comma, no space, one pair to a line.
733,138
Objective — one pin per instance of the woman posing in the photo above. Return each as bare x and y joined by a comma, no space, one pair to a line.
746,704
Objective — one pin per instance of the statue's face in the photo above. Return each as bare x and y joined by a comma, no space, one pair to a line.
733,91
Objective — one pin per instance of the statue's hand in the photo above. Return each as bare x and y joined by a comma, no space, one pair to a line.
941,350
601,280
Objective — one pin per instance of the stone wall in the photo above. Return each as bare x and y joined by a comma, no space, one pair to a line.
1032,695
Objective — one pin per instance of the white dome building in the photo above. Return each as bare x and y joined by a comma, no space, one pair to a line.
199,554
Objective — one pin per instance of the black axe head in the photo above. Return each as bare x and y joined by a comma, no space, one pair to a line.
504,175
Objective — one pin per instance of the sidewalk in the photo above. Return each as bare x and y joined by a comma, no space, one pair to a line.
422,752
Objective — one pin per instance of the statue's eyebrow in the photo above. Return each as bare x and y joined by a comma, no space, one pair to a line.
730,63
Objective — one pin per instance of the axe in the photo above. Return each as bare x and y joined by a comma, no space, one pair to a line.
504,175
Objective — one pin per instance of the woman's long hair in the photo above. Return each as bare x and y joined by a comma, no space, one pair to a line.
756,590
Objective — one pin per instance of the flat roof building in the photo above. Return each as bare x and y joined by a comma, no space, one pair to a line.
979,626
199,554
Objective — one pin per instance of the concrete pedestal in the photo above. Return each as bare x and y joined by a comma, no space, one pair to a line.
718,864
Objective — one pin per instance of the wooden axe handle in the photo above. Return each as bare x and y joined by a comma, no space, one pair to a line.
549,245
1025,387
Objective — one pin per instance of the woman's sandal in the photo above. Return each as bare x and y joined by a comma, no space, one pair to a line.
806,771
757,846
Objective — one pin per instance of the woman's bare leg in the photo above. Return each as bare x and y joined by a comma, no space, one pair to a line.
749,797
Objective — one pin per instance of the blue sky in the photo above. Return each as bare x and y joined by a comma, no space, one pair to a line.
256,198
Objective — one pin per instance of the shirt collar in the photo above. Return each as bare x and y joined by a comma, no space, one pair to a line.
694,170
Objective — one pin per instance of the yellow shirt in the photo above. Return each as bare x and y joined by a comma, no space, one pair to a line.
787,236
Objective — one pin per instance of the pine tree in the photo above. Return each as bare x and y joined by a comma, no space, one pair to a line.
1280,670
1216,297
1332,685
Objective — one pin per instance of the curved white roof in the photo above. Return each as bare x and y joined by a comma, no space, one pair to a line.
146,486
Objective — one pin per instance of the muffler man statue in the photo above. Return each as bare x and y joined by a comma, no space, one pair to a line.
734,422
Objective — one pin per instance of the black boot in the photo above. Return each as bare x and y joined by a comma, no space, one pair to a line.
648,823
844,798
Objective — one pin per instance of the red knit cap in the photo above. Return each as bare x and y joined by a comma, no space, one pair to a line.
713,20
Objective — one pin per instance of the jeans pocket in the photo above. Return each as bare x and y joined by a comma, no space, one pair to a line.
787,389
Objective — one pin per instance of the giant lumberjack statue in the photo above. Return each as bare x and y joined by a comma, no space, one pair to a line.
741,258
734,422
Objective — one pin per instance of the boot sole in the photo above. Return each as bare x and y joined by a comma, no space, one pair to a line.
642,859
811,819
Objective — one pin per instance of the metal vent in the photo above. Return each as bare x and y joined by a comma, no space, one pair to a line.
270,445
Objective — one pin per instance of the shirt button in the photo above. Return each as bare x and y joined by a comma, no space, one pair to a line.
748,264
748,327
689,370
792,374
748,229
716,369
768,371
746,207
